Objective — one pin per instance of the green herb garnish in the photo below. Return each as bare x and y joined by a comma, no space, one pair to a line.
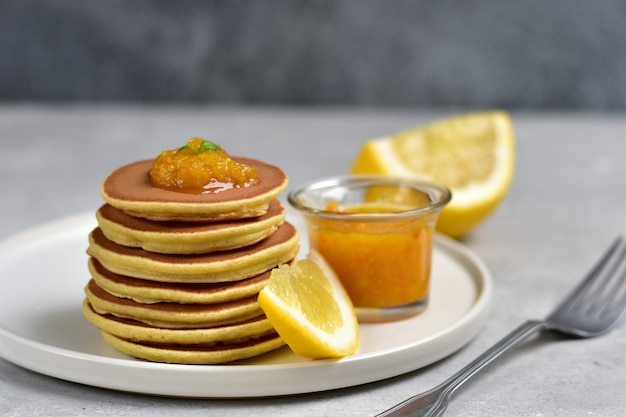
205,145
182,148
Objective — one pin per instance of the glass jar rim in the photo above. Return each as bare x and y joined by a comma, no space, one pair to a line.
348,181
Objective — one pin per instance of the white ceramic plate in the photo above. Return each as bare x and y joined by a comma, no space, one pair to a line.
43,272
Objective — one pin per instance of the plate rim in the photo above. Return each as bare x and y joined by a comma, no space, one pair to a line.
468,325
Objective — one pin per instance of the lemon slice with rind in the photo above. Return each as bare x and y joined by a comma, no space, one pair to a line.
472,154
309,308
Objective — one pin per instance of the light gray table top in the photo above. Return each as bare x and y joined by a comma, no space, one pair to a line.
567,203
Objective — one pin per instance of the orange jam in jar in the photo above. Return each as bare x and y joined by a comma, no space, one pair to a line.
376,232
381,263
200,167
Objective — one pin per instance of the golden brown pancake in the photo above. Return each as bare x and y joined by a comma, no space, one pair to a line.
173,315
135,330
147,292
187,237
196,354
223,266
128,188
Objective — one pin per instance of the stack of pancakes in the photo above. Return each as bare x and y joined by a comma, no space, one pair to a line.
175,276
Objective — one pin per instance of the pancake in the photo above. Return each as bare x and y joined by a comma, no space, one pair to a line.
187,237
140,332
196,354
173,315
223,266
148,292
128,188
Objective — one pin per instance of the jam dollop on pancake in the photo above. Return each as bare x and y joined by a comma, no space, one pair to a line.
200,167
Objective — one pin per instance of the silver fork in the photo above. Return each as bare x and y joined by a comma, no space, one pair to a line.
590,310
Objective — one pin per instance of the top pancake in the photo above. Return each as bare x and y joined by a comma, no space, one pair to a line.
128,188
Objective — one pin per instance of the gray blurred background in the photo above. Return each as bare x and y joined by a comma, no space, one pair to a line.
565,54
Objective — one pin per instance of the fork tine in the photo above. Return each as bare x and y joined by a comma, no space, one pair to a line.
615,302
605,261
596,304
600,292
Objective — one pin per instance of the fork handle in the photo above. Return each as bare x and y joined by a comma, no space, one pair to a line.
435,401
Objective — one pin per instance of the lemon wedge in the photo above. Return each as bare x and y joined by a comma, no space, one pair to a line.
310,310
472,154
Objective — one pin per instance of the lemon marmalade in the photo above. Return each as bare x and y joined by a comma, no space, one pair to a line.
200,167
